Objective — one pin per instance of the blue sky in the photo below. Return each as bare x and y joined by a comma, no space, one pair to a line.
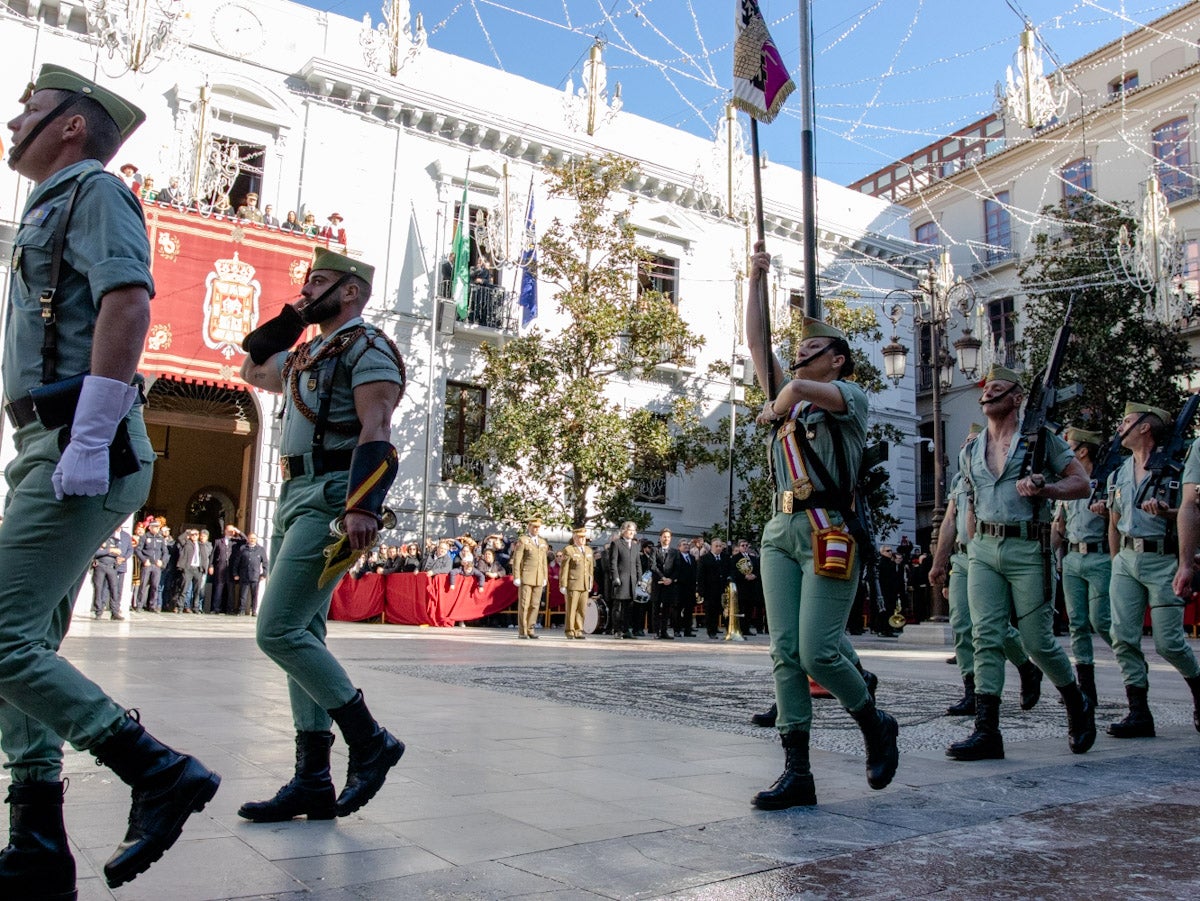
889,75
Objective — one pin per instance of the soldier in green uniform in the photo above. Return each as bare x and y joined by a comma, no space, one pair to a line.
78,311
530,567
1141,538
810,563
337,463
1188,521
953,537
1006,566
1081,536
575,581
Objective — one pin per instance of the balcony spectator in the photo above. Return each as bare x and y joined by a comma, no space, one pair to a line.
249,209
309,227
290,223
172,193
129,175
149,193
333,232
223,207
269,219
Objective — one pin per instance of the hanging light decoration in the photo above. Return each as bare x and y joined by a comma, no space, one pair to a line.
502,234
592,106
1153,259
392,43
1027,96
139,35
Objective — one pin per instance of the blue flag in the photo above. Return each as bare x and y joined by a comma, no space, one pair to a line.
528,298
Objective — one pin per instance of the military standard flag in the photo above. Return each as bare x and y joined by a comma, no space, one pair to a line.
761,82
528,299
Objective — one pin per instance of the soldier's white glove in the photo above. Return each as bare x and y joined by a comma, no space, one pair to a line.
83,469
517,582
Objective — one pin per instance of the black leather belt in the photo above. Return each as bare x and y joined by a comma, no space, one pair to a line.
301,464
21,412
1086,547
1024,530
959,547
1148,545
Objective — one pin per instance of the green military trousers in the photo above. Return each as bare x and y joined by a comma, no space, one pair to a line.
293,610
1085,580
960,623
46,547
1140,581
807,616
1005,574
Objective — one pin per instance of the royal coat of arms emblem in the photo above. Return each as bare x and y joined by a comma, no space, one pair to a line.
230,305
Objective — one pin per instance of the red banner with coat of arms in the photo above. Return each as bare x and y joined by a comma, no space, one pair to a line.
215,279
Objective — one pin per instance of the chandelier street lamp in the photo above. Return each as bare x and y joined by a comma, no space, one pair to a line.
138,35
392,43
1027,95
1153,260
935,302
591,106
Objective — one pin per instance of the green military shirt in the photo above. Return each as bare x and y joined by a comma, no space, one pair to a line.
1191,466
1081,524
996,498
852,424
1126,498
106,248
960,493
368,359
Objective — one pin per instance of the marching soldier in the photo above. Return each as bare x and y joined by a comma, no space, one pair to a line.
1006,561
1188,520
575,581
810,566
1142,540
531,572
1082,536
953,537
78,311
337,463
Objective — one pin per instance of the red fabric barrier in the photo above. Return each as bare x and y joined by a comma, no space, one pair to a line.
357,599
418,599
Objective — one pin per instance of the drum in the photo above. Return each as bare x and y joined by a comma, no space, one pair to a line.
595,616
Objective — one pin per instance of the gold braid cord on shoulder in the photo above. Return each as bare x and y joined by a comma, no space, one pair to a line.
304,360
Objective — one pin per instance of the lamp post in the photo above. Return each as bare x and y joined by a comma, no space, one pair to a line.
934,303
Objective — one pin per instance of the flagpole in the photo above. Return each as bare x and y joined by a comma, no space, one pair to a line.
764,309
808,184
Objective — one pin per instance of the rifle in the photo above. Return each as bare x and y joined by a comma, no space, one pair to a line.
1165,465
1107,462
870,475
1043,398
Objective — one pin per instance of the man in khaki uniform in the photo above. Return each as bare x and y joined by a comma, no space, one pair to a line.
575,581
530,571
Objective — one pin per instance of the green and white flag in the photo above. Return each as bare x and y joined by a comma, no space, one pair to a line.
461,280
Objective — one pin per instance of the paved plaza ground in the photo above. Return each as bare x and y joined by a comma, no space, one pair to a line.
558,769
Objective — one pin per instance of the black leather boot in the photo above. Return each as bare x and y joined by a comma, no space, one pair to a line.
167,788
373,751
1031,684
310,793
37,864
966,706
1085,674
1138,723
767,718
1081,719
986,742
870,678
1194,684
880,731
795,787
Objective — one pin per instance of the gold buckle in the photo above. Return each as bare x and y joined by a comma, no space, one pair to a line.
1082,548
785,502
285,468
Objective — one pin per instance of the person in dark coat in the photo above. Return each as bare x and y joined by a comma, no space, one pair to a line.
223,569
664,569
251,566
685,590
624,566
714,577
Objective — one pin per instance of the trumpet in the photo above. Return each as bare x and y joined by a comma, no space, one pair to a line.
733,623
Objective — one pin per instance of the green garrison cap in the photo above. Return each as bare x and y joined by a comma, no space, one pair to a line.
975,429
1162,414
1002,374
127,116
1083,436
815,328
324,258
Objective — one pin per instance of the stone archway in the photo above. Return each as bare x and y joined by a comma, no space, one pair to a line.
205,439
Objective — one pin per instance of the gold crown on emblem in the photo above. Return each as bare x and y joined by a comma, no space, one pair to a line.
234,270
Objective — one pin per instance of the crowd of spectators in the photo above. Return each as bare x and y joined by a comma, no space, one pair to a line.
247,209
